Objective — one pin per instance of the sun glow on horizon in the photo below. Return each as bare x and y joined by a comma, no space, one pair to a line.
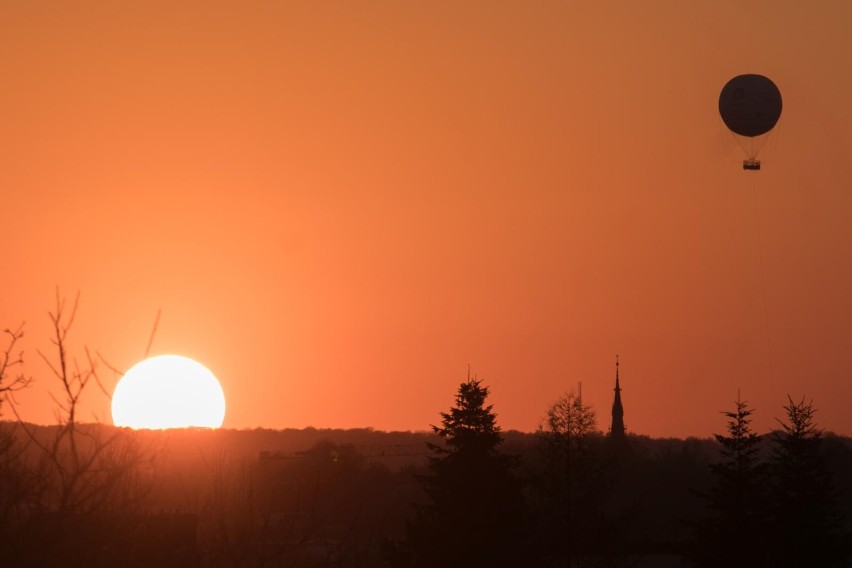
168,391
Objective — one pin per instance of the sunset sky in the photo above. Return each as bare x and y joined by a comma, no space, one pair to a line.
339,206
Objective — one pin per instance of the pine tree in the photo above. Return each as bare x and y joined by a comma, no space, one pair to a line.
475,512
735,535
806,521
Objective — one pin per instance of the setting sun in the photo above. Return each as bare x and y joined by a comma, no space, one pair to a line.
168,391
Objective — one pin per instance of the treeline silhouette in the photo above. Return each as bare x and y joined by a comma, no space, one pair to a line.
475,496
466,494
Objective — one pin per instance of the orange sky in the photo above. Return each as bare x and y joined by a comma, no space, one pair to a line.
338,206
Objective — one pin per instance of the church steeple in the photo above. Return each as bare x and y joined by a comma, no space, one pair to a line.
616,431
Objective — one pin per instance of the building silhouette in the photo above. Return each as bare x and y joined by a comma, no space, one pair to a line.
616,430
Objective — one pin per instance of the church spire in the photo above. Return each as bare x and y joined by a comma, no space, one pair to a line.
616,431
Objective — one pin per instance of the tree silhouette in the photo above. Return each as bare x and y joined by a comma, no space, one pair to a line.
11,378
735,536
475,512
806,521
88,471
18,488
83,470
571,485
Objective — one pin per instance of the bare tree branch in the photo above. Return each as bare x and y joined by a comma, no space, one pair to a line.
153,332
10,361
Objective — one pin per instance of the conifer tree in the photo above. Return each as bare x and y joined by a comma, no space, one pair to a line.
807,524
735,535
474,516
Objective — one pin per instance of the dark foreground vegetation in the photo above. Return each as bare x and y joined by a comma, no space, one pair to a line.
459,497
465,494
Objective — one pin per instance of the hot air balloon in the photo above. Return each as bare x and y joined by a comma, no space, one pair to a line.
750,106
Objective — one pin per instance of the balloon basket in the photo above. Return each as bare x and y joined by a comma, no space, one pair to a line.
751,165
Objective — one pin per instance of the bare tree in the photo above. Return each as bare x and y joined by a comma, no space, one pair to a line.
570,422
569,485
90,469
84,478
17,487
12,378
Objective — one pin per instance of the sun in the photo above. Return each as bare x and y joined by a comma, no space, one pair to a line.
168,391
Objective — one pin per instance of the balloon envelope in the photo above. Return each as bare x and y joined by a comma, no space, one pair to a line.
750,105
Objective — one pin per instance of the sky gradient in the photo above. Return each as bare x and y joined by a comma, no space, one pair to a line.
339,206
